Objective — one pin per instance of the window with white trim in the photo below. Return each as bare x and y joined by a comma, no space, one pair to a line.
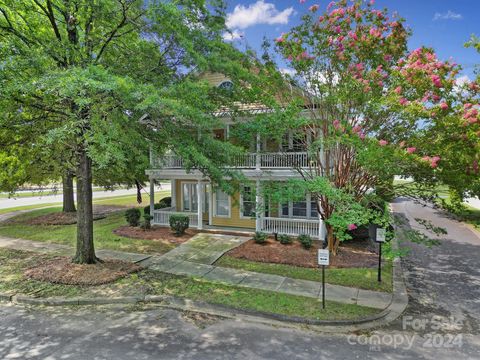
248,202
299,209
222,204
189,197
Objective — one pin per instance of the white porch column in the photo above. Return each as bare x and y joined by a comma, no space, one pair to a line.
210,205
257,158
152,195
173,192
200,204
258,206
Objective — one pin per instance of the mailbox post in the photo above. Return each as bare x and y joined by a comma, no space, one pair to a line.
380,238
323,260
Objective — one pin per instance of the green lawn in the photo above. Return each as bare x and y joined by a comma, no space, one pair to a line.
66,234
149,282
364,278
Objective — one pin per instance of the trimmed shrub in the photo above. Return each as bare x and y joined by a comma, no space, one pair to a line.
133,216
163,203
285,239
179,223
147,221
260,237
305,240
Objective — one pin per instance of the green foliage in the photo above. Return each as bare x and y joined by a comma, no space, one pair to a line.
305,240
163,203
260,237
285,239
179,223
147,221
133,216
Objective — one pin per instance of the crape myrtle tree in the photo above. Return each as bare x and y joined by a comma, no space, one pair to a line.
78,76
364,97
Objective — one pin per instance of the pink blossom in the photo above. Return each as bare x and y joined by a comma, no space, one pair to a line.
387,57
361,136
398,89
302,1
434,160
436,80
444,106
403,101
280,39
411,150
382,142
357,129
372,2
336,124
402,144
330,5
351,227
467,106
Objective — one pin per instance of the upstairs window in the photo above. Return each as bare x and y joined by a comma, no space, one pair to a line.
226,85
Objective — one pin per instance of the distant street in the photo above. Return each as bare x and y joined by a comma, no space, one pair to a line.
6,203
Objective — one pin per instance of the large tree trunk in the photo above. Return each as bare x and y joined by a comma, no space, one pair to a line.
85,249
68,196
332,240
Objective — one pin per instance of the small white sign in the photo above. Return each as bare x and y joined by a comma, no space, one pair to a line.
323,257
380,235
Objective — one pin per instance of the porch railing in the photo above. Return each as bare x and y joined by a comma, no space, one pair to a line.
162,217
292,227
273,160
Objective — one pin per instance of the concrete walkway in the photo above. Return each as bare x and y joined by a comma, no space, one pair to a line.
196,256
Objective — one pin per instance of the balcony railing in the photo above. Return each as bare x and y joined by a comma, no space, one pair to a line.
248,161
292,227
162,217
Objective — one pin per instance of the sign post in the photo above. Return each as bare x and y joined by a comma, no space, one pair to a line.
323,260
380,238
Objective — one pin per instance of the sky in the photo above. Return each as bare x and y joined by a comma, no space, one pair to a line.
444,25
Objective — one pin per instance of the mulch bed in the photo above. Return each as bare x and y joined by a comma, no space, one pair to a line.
351,254
61,270
61,218
155,233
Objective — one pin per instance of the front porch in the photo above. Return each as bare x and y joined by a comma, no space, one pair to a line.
269,225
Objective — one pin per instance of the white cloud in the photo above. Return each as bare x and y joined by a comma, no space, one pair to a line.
234,35
288,71
459,82
260,12
449,15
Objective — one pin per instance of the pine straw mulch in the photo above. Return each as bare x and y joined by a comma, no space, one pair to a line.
351,254
61,270
63,218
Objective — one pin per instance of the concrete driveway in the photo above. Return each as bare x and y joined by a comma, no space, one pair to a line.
442,320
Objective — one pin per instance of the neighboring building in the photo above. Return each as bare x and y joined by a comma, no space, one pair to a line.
209,208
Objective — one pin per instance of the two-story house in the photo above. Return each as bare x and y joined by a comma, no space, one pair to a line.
209,208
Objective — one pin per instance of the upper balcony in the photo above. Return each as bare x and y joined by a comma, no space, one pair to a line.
255,161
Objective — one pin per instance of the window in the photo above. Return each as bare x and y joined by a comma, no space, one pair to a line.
222,204
313,209
248,202
299,209
226,85
189,197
